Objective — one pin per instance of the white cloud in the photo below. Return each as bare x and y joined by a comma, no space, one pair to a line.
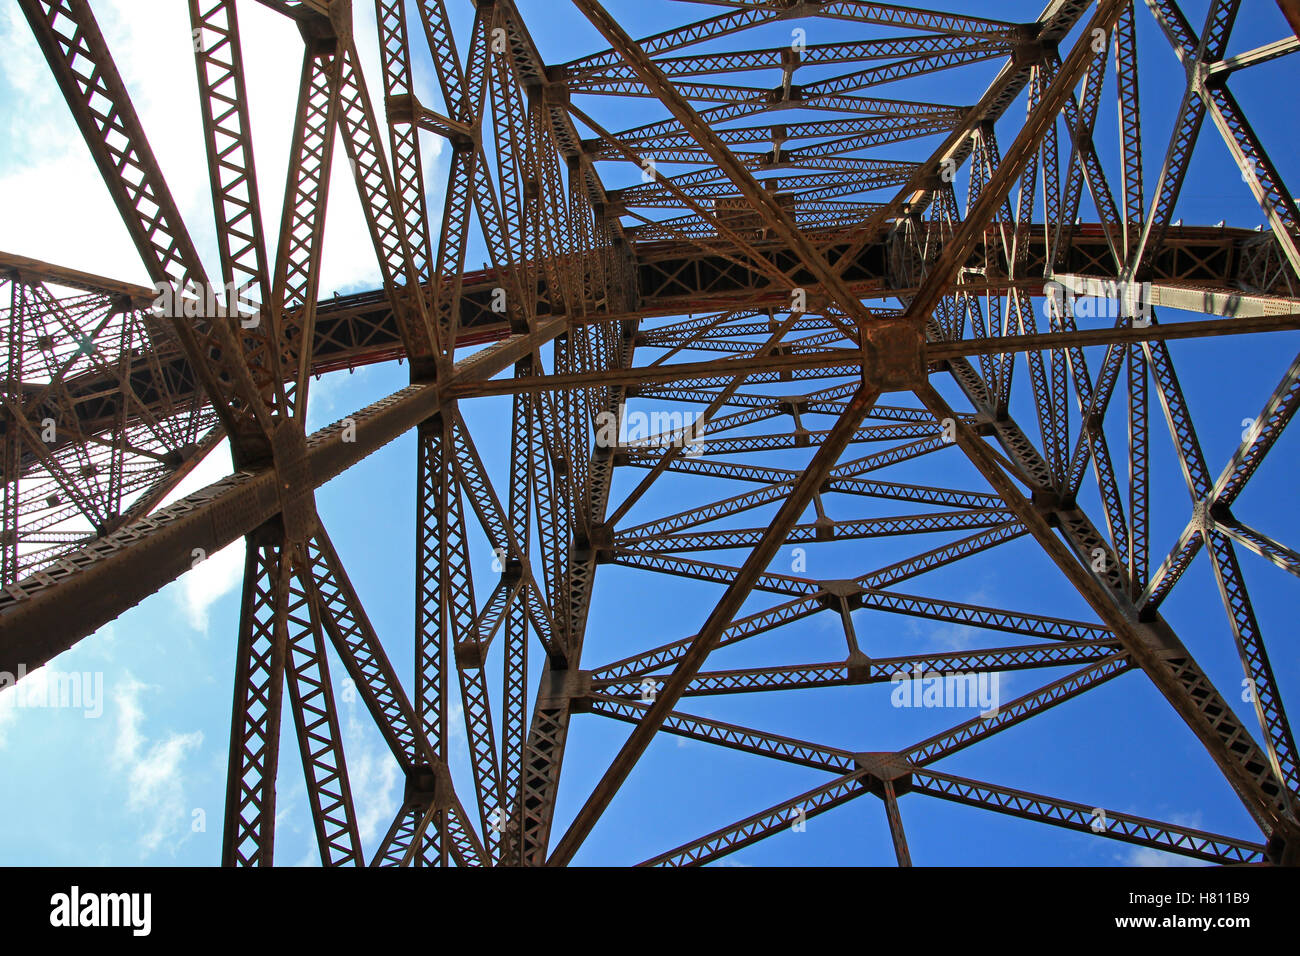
48,176
208,582
214,575
1147,857
49,179
151,769
372,774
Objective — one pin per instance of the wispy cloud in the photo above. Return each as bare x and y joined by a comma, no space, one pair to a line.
213,575
151,769
372,773
1148,857
208,582
49,179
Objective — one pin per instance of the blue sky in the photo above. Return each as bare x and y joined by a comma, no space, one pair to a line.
134,784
